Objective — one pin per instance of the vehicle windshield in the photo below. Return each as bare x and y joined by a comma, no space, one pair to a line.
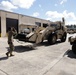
54,25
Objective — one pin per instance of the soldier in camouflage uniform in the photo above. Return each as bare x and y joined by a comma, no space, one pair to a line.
11,32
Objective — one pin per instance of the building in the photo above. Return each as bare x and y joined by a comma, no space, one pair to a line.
10,19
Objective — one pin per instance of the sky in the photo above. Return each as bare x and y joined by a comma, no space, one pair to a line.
52,10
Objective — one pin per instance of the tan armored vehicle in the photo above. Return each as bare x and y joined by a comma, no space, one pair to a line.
53,32
71,31
72,41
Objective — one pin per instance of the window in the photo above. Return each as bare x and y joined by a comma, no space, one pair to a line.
38,24
33,29
45,25
54,25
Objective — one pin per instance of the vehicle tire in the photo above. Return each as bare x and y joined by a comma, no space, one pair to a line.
52,39
74,49
63,39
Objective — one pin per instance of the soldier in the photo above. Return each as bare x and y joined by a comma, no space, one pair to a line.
11,32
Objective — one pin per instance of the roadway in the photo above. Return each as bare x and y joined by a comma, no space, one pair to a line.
44,59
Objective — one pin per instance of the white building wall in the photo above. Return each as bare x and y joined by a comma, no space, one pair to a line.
31,21
37,20
26,20
45,21
3,24
20,20
11,15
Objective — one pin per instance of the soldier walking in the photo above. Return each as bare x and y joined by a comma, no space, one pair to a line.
11,32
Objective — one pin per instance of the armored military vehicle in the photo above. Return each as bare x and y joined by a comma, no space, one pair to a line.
53,32
72,41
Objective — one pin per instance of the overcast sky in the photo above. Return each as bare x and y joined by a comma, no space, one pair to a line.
46,9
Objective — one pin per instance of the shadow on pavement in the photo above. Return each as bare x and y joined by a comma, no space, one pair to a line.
3,58
21,48
70,54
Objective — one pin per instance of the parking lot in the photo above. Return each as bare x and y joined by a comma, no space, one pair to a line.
43,59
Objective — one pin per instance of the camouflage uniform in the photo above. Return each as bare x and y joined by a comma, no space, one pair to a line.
10,42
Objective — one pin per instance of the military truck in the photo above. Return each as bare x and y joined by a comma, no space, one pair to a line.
53,32
72,40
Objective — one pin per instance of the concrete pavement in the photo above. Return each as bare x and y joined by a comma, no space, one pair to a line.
56,59
66,66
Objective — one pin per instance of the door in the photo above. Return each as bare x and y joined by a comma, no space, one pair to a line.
11,23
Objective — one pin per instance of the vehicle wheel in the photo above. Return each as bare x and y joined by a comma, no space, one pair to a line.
52,39
63,39
74,49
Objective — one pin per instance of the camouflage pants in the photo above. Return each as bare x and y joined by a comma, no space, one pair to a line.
11,48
